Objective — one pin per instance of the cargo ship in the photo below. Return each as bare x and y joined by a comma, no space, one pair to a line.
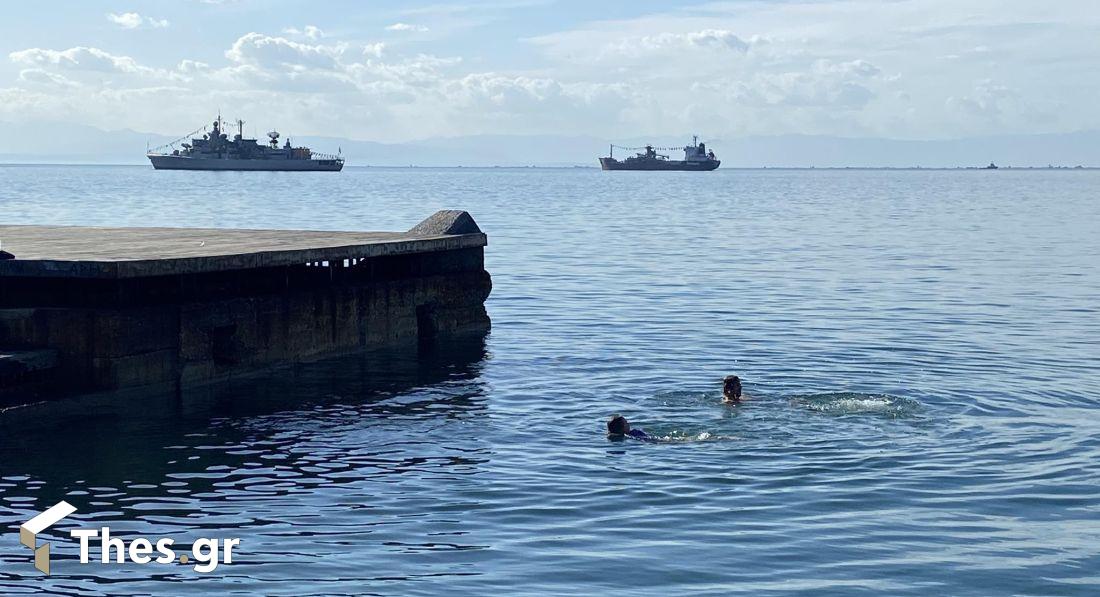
216,151
696,159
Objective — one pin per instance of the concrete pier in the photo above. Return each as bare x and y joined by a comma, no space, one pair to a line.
98,309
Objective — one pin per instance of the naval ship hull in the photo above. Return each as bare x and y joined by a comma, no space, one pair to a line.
658,165
175,162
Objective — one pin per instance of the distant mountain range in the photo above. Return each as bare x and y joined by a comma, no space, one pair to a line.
66,143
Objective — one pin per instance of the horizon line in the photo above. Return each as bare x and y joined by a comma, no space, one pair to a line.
588,167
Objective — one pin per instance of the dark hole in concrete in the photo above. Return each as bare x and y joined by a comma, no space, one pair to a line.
426,326
223,344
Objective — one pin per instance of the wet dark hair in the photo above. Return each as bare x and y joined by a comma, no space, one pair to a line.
729,383
616,425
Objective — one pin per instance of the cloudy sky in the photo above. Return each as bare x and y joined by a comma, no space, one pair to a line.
402,70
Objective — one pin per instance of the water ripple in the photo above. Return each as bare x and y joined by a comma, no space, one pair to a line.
920,350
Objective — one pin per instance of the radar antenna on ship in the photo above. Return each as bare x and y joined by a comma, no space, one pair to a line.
274,136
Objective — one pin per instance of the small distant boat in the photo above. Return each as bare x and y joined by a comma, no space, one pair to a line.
991,166
696,158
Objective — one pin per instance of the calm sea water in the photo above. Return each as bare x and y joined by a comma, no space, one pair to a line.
922,349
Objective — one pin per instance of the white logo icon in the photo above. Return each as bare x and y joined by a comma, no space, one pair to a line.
28,532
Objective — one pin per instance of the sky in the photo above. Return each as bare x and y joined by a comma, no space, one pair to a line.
395,71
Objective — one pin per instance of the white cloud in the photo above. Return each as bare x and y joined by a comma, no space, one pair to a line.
374,49
706,38
858,68
713,45
42,77
192,67
485,100
126,20
845,67
78,58
309,32
987,101
366,96
133,20
407,27
259,50
92,65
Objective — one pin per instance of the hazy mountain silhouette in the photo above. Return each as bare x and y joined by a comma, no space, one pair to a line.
66,143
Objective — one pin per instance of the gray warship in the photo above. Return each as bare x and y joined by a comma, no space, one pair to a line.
696,159
216,151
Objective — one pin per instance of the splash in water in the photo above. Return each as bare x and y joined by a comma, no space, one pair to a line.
679,436
852,403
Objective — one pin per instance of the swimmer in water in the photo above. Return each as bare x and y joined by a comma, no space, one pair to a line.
618,427
731,389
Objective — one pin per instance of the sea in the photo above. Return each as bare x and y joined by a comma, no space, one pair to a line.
920,351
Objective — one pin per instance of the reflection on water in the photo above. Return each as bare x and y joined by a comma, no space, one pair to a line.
298,445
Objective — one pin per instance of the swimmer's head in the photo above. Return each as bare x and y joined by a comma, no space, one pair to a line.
617,425
731,389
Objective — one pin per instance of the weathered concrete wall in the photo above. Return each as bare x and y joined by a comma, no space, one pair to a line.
190,328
